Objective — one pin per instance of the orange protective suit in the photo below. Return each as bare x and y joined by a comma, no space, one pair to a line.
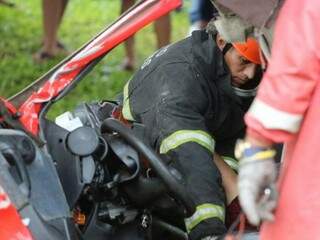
287,109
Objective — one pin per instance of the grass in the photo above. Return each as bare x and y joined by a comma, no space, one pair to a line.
21,33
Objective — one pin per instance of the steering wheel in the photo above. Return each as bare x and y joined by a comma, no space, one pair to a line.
176,189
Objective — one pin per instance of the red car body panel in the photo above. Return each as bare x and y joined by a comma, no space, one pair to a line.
138,17
11,225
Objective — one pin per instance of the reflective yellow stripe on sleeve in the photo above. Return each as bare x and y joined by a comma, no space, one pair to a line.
203,212
233,163
183,136
126,112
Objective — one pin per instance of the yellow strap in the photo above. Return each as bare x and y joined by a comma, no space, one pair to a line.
264,155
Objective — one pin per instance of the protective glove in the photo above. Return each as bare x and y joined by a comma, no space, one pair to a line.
256,181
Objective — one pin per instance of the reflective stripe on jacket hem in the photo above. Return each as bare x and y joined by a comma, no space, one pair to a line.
233,163
183,136
203,212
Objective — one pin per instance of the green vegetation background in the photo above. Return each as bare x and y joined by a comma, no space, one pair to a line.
21,36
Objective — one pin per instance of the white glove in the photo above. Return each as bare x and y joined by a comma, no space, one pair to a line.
256,184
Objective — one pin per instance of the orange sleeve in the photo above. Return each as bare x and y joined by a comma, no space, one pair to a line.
293,73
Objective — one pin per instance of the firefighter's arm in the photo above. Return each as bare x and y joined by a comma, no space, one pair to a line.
177,129
229,178
183,138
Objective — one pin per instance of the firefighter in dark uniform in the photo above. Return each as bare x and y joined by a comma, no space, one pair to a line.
186,96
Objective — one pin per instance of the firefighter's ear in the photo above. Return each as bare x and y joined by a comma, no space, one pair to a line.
221,43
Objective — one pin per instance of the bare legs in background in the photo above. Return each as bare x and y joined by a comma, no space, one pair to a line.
162,29
52,14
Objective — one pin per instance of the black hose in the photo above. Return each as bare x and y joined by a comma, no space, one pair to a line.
177,189
170,228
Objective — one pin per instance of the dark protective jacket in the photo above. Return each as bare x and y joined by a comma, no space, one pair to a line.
183,96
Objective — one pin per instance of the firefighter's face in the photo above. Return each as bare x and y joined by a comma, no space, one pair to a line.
242,70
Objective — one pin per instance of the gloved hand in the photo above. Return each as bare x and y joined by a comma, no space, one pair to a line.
256,181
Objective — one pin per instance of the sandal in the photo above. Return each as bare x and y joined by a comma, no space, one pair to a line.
7,4
41,57
62,48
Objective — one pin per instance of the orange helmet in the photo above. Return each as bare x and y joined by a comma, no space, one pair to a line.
249,50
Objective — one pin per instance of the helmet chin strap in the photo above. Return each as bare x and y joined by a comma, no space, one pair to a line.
226,48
